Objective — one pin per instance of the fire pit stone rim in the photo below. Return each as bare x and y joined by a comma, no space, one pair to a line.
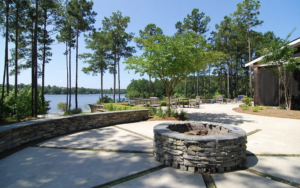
163,130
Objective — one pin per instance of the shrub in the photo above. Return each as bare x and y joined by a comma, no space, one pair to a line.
106,99
20,108
163,103
182,115
152,111
244,106
160,113
62,106
256,109
281,107
247,101
73,111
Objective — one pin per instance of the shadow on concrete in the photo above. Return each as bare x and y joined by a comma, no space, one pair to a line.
218,118
108,138
44,167
251,159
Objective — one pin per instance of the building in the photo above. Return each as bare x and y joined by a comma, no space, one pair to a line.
268,90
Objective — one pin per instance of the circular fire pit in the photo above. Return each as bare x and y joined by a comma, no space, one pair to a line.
200,146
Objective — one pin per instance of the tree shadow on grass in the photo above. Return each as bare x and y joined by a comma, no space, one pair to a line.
218,118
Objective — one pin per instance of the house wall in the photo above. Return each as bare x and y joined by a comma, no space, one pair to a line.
270,92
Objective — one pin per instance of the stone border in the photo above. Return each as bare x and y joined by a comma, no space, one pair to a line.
20,133
217,153
234,134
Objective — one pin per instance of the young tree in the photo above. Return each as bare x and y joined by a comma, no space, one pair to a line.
280,55
81,18
171,60
98,60
246,14
115,27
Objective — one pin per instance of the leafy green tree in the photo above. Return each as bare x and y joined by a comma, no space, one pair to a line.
247,14
280,54
115,26
81,18
170,60
98,60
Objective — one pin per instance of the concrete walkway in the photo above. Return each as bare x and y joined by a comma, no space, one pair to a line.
108,155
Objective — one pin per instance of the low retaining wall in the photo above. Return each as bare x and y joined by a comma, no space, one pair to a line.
16,134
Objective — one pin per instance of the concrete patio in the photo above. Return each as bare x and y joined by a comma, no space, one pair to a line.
120,156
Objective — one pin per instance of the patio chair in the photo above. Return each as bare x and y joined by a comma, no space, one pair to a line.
195,102
154,102
131,102
173,102
240,98
138,102
219,99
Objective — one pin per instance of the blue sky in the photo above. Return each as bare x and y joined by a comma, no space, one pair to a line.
279,16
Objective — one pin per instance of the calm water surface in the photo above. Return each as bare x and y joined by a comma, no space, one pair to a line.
82,99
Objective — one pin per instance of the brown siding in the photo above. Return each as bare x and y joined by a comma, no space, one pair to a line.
268,87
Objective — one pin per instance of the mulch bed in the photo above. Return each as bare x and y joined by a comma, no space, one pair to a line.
272,112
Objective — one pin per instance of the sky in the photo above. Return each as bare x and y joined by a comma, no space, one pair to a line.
279,16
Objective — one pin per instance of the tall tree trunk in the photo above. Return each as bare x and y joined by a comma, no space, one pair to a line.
101,85
209,80
119,77
67,98
185,90
32,70
6,47
44,60
76,79
249,46
70,81
114,92
150,83
16,50
204,84
228,79
35,57
236,78
197,86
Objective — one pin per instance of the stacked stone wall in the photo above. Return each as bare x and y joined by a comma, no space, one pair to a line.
16,134
199,155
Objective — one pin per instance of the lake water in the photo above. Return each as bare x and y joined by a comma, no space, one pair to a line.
82,100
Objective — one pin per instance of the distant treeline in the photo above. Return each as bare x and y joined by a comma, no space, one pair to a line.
52,90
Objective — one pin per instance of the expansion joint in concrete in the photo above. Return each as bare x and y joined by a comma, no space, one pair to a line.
97,150
253,132
273,155
131,177
134,133
209,181
291,183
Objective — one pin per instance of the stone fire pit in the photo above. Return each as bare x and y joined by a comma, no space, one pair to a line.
200,146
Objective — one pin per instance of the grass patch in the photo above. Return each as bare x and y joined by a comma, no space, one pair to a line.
119,107
274,155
